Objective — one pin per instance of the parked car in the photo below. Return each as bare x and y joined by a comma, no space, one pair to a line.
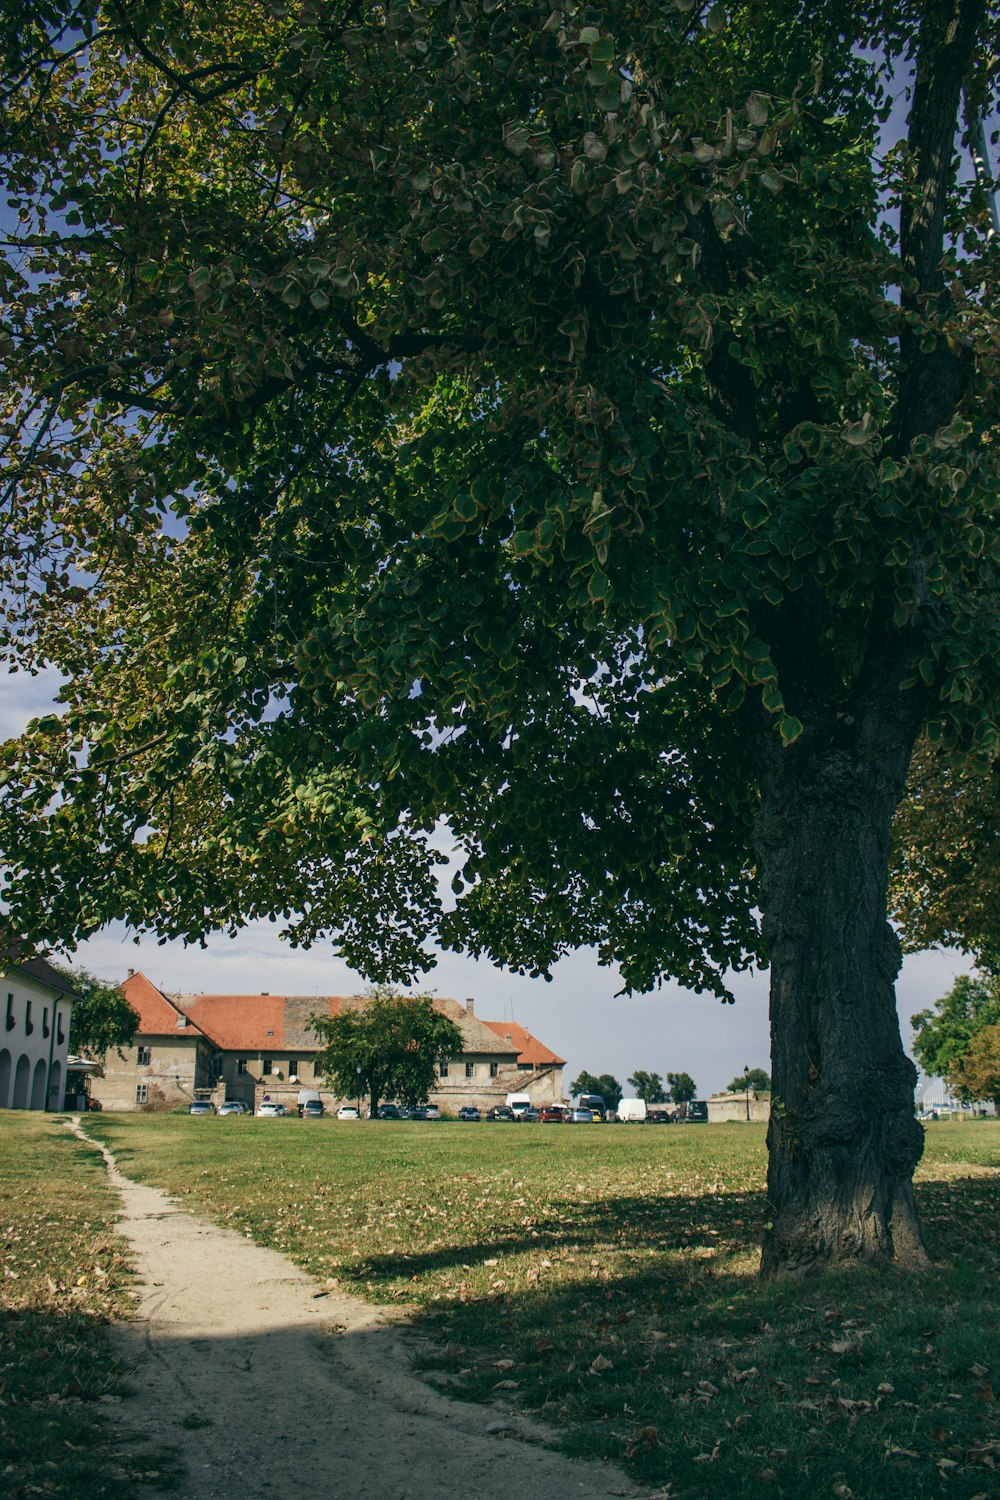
531,1114
269,1109
500,1112
595,1103
312,1109
551,1115
234,1107
389,1112
695,1113
659,1117
431,1112
201,1107
581,1117
469,1112
348,1112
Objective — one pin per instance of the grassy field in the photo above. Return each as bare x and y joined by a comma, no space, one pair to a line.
64,1278
603,1278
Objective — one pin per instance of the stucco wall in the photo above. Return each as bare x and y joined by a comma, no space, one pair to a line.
32,1062
723,1107
177,1066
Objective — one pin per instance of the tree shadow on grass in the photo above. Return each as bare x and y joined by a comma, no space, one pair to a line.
650,1341
675,1223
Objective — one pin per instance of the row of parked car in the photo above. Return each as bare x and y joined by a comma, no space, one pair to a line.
550,1114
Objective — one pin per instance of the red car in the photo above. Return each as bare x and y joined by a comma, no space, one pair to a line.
551,1116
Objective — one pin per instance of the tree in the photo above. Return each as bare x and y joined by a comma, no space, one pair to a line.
943,1036
947,856
682,1087
753,1078
102,1018
648,1086
976,1074
385,1046
578,430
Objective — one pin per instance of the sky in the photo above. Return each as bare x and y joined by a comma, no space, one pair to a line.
578,1013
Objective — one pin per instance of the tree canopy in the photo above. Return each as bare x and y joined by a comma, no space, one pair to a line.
608,1087
648,1086
385,1046
102,1019
754,1078
976,1074
682,1087
574,425
943,1034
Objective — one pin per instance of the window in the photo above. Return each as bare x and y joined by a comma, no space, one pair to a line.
142,1056
29,1025
293,1066
45,1021
60,1034
265,1066
524,1067
10,1013
241,1065
442,1070
494,1069
142,1093
470,1070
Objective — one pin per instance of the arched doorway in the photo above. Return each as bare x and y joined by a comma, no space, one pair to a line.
38,1085
55,1087
21,1078
4,1078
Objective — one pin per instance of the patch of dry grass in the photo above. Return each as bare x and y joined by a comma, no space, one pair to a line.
64,1278
605,1278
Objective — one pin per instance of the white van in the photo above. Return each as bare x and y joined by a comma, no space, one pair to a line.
632,1111
518,1103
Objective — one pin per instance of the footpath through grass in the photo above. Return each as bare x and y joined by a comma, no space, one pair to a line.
64,1277
604,1278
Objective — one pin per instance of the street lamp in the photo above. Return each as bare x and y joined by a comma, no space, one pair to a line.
358,1071
746,1089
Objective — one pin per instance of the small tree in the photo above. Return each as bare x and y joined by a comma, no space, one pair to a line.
648,1086
682,1087
102,1018
604,1084
976,1075
388,1046
943,1035
753,1078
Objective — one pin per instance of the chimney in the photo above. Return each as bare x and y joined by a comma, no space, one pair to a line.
131,973
470,1005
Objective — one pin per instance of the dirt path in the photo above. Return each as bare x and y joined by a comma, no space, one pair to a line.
268,1385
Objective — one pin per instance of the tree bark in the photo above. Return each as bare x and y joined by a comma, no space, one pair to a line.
843,1140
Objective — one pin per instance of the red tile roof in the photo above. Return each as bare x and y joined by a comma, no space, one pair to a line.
157,1015
256,1023
530,1049
280,1023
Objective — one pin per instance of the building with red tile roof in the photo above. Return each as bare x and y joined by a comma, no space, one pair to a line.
250,1046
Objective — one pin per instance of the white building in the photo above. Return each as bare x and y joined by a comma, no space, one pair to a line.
34,1037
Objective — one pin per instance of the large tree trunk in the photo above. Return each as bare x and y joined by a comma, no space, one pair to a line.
843,1139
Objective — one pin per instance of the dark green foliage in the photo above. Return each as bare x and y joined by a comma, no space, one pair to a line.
942,1035
387,1047
681,1087
754,1078
648,1086
102,1018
